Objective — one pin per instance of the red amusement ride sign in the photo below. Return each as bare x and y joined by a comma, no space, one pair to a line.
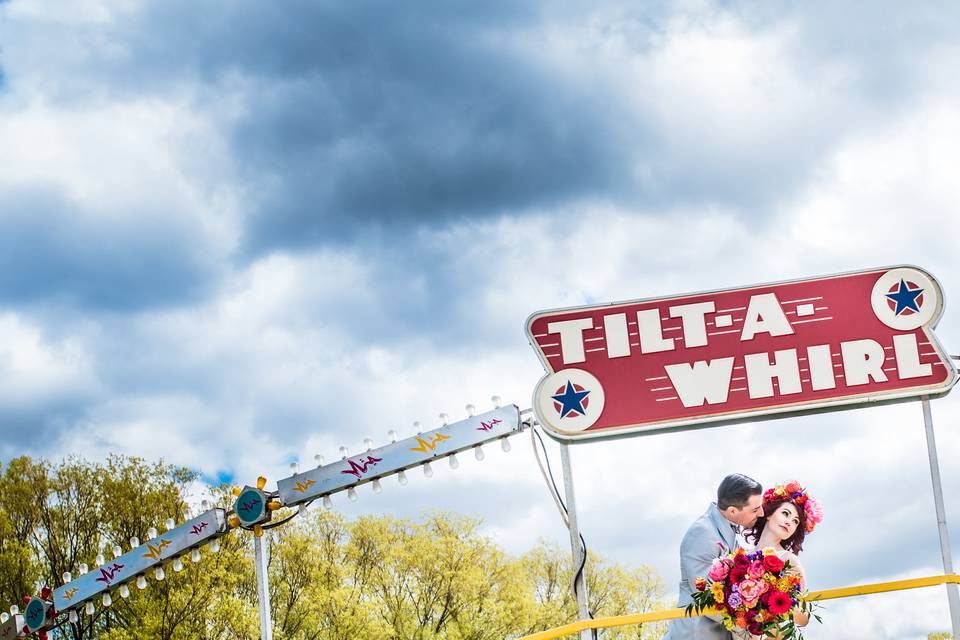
740,354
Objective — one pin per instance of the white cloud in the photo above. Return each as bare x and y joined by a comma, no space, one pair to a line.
148,161
37,371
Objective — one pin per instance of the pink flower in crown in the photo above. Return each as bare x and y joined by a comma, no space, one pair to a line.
751,590
719,570
756,569
814,513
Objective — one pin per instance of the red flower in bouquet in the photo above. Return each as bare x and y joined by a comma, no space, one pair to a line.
699,584
737,574
765,597
772,563
779,602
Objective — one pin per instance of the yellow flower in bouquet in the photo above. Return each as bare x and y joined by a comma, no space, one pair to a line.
717,589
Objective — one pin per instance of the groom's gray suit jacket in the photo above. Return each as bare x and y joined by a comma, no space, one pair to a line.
700,545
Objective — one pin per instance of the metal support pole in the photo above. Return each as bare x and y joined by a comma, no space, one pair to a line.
578,552
953,598
261,547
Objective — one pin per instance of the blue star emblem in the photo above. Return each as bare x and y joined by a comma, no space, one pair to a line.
905,298
571,401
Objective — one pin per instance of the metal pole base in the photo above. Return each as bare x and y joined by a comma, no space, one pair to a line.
581,583
953,598
261,549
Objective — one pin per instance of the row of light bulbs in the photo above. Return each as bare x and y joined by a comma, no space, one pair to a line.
401,475
393,434
158,572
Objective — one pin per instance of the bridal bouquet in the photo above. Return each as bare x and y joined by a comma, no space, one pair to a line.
754,592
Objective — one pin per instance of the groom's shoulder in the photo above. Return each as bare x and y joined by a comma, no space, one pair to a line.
703,524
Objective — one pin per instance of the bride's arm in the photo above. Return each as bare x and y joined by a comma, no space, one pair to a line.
800,618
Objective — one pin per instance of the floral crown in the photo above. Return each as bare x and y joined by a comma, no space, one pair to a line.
793,492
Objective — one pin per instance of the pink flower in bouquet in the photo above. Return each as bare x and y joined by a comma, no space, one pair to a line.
756,569
719,570
751,590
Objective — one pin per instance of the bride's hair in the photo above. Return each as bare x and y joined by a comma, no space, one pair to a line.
795,542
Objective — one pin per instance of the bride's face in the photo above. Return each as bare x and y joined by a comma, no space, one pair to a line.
784,521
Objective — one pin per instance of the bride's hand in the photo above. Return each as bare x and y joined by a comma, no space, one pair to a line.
801,618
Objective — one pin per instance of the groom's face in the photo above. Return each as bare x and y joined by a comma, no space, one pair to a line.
747,516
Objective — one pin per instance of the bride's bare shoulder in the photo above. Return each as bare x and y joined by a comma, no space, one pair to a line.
791,557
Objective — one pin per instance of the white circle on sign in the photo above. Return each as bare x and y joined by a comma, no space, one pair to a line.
904,299
570,400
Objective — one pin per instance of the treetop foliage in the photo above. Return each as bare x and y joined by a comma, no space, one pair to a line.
377,577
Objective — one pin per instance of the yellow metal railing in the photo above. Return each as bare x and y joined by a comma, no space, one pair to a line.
670,614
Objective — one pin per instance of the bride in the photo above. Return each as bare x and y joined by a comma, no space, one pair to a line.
789,514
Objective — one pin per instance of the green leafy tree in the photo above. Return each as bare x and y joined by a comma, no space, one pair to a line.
612,591
63,515
377,577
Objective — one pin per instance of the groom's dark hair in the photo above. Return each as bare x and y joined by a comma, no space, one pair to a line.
735,490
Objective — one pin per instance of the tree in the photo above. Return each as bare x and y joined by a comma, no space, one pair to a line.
373,578
55,517
612,591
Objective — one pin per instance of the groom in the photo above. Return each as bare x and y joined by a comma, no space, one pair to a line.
739,504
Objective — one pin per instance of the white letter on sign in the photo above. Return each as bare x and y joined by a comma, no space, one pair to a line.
694,326
651,333
764,315
703,381
862,360
760,373
615,328
908,358
821,367
571,338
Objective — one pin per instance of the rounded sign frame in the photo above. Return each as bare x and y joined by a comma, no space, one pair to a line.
582,382
248,519
35,614
929,310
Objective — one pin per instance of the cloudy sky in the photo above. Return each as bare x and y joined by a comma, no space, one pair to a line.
237,234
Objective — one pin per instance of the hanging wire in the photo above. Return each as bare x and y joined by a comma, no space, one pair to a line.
290,517
548,478
561,506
